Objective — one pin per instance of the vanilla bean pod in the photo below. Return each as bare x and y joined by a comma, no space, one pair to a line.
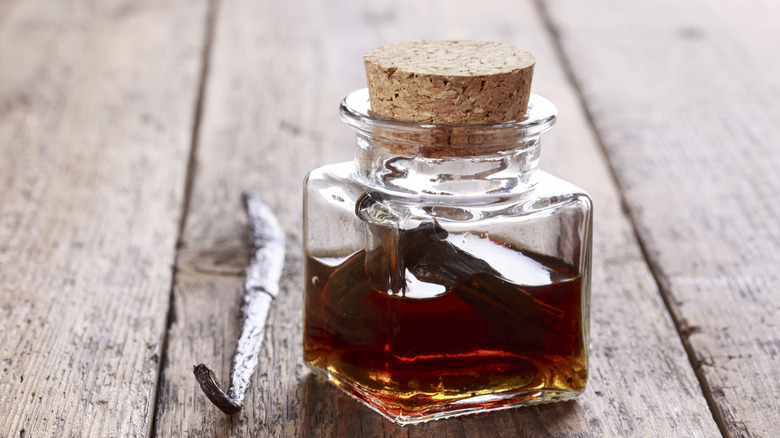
261,286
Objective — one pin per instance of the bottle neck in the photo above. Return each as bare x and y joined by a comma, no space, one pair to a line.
465,160
502,172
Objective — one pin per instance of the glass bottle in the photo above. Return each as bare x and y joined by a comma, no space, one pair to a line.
441,282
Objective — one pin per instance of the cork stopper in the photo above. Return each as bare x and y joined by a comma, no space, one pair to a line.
449,82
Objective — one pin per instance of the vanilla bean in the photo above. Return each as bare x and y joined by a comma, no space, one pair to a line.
261,286
210,386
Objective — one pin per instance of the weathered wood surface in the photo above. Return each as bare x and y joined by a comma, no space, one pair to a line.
96,109
686,98
102,103
272,91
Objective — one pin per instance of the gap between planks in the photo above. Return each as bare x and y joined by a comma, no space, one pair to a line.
189,178
665,295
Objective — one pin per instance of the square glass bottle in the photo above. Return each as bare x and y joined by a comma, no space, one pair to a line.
444,273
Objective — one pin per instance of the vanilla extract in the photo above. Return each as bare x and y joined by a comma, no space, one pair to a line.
445,273
469,333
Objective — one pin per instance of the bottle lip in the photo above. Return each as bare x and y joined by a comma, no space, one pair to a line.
356,112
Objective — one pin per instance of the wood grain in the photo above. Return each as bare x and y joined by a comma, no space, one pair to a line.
277,72
96,105
686,98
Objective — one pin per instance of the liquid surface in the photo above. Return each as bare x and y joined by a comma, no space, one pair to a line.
443,326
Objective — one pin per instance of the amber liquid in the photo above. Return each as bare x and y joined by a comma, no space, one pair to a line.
485,341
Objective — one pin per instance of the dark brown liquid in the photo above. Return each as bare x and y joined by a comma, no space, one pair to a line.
482,335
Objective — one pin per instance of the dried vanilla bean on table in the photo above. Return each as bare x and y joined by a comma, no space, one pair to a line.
261,286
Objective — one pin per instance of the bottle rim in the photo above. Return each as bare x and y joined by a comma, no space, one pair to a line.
432,139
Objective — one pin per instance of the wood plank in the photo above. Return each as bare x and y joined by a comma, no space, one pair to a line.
96,110
689,120
277,74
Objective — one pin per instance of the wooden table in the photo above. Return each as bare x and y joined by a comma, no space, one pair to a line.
129,129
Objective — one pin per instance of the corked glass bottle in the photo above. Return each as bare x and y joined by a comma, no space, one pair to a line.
444,273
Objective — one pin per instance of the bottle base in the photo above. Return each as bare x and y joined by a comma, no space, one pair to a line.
450,408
